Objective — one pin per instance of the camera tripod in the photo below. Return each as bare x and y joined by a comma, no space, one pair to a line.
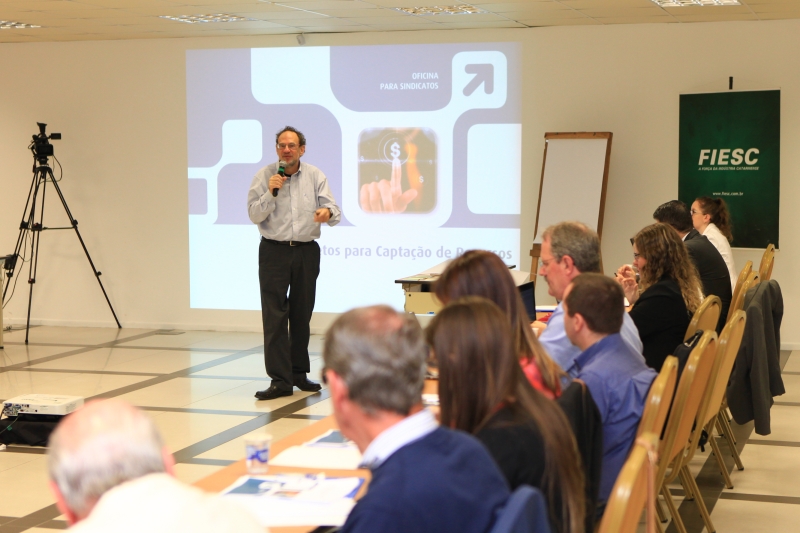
31,225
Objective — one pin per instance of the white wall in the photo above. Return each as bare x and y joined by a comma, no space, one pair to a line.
121,107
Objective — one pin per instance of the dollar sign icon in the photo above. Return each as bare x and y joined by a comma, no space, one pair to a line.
395,150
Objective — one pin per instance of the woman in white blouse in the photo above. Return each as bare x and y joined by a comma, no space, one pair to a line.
710,216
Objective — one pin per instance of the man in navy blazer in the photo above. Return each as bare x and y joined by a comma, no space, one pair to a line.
425,478
710,265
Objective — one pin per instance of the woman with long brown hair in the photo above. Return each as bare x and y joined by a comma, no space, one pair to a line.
668,294
482,273
710,217
483,391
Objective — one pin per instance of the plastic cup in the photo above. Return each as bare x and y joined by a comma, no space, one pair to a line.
257,453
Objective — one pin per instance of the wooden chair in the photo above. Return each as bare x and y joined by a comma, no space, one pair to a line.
748,267
656,406
729,342
632,489
767,261
688,397
706,316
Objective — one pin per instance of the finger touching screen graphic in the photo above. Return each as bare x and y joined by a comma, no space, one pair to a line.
397,170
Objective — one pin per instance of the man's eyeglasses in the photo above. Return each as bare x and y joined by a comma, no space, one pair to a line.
290,146
545,264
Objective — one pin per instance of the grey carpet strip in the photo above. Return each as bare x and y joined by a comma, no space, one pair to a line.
72,371
790,373
208,462
126,347
786,443
787,404
4,519
306,417
35,519
241,378
54,524
189,410
12,448
763,498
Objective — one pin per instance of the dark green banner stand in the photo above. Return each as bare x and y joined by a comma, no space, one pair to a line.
729,148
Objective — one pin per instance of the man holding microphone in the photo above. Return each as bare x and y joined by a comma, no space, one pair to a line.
288,200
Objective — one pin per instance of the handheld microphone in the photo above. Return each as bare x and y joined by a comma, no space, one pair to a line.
282,173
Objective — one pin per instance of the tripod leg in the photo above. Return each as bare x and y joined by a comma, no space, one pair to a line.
24,227
85,250
36,234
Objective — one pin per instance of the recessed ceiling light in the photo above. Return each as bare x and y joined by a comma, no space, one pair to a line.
684,3
463,9
11,25
194,19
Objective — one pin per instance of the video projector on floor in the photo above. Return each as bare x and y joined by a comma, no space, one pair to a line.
41,404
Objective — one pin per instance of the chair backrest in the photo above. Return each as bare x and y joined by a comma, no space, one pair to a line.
688,396
524,512
706,316
738,295
656,406
727,348
738,304
628,497
767,261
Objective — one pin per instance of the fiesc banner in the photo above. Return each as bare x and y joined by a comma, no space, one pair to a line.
729,148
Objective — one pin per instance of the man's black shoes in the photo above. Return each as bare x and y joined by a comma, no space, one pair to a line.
305,384
302,383
272,392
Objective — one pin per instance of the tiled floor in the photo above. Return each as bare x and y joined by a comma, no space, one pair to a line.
198,386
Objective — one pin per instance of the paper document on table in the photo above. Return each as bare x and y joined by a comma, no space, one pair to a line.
338,457
296,500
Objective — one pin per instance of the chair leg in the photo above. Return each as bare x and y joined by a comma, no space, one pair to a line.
727,432
728,416
688,494
660,511
701,505
673,511
718,456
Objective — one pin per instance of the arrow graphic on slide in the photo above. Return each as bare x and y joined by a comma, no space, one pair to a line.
484,73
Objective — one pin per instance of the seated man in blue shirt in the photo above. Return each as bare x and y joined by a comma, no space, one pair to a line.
615,373
570,249
425,478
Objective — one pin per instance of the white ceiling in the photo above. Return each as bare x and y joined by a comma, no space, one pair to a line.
76,20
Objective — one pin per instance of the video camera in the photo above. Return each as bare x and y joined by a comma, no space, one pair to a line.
41,147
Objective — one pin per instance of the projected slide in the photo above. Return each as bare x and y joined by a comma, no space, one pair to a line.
420,145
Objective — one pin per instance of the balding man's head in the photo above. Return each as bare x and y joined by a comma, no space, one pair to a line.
103,444
380,355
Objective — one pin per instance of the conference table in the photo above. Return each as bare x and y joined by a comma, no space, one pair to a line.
223,478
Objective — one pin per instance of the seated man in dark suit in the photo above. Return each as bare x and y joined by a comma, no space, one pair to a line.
710,265
425,478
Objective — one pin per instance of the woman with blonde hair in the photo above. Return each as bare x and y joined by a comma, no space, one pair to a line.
482,273
668,294
710,217
483,391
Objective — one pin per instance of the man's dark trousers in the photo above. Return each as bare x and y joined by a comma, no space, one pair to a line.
294,269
